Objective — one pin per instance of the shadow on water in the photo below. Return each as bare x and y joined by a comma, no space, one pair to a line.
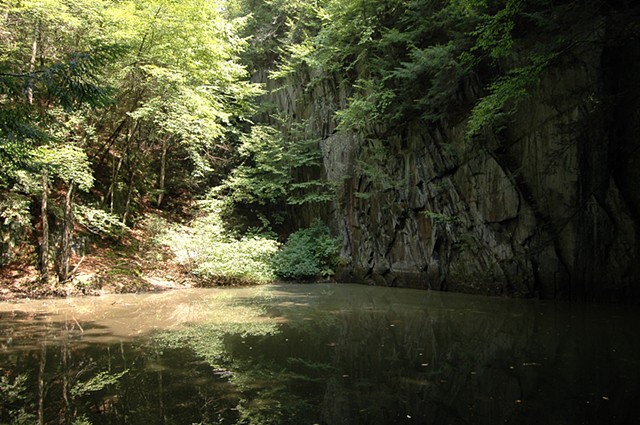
317,354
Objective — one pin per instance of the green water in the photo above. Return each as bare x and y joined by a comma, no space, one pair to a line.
317,354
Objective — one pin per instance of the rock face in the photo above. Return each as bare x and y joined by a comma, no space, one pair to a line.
548,207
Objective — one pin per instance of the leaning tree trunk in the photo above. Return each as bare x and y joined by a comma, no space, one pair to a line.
64,254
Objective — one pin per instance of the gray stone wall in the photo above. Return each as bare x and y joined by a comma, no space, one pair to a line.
546,207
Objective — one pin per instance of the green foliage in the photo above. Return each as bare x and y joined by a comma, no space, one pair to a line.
217,256
505,94
52,75
240,261
67,76
13,393
368,108
276,29
438,217
501,38
264,177
296,56
273,172
151,101
495,31
14,210
308,253
106,88
39,88
99,221
404,58
15,217
415,60
443,67
97,383
183,99
82,420
232,315
67,162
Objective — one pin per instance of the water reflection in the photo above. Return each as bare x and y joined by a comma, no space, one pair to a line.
330,354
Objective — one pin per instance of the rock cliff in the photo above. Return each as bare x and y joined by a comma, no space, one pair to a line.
548,206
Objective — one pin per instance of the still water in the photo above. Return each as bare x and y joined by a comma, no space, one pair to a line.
317,354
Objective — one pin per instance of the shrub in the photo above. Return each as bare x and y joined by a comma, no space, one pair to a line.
217,256
308,253
247,260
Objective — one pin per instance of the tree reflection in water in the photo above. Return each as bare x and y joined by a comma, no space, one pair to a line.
331,354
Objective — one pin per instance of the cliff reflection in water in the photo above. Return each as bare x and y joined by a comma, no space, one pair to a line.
332,354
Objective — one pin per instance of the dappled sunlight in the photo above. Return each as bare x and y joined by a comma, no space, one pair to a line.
135,315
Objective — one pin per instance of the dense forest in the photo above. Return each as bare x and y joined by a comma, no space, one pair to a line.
468,145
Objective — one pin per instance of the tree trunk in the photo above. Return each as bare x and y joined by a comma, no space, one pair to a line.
64,355
64,255
116,169
44,245
163,169
127,204
32,61
112,187
163,418
41,383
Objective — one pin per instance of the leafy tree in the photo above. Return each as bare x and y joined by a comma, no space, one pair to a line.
147,94
182,98
68,163
46,74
